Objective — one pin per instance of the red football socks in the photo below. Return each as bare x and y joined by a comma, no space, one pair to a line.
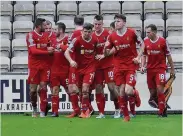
74,101
85,104
100,99
123,105
161,102
43,99
131,100
55,103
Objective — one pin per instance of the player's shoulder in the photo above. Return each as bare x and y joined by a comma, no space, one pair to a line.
146,39
113,34
106,31
131,30
76,32
162,39
30,34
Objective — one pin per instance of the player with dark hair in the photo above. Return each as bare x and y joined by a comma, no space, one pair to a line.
104,72
156,51
73,89
112,27
84,50
126,62
59,68
38,43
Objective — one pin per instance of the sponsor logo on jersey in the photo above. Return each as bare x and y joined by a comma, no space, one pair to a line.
124,46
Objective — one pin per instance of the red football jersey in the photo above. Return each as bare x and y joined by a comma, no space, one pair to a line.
125,46
74,34
156,52
52,37
102,38
60,63
41,42
84,52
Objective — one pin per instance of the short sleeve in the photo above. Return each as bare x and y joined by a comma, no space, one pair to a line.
73,44
167,48
30,41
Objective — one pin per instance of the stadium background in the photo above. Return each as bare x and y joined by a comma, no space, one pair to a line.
17,19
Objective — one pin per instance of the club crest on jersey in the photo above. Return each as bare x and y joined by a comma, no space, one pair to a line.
148,52
117,47
127,38
82,51
159,46
115,41
38,45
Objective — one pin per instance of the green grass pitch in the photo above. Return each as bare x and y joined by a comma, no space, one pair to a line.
142,125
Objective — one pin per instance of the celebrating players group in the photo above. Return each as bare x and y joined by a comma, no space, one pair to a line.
90,58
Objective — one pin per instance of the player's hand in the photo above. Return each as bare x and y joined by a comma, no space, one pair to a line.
136,60
172,72
99,57
50,50
142,70
73,63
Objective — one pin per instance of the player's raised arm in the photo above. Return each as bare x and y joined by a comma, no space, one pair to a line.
32,46
67,55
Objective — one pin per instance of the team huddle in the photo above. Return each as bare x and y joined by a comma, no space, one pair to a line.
91,57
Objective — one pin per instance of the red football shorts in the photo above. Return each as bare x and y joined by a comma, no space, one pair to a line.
125,77
155,78
57,79
72,75
87,78
35,76
104,75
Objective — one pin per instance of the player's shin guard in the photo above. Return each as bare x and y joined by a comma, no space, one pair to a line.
161,103
33,99
131,100
55,104
123,105
43,99
100,99
74,100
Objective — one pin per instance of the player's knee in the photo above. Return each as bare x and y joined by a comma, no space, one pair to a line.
85,94
111,87
56,90
72,88
85,91
99,88
33,88
129,91
43,85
